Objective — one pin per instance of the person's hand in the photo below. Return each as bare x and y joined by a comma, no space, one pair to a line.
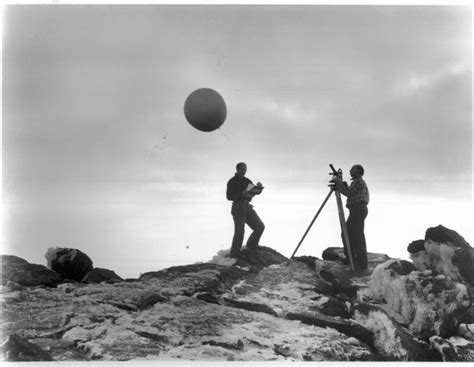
337,181
247,194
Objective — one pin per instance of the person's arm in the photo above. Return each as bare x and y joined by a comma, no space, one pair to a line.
339,184
349,190
231,194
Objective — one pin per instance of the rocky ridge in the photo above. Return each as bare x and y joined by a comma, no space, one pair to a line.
263,308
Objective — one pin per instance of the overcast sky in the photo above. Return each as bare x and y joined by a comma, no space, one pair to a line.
97,154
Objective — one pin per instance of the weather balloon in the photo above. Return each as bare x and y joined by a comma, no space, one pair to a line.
205,109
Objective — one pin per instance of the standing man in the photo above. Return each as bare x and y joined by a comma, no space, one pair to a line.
357,200
240,190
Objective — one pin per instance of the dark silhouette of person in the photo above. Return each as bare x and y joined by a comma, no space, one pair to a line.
357,200
241,190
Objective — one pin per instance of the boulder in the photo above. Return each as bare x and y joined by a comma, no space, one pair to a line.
69,263
259,257
444,251
19,271
442,234
427,304
98,275
416,246
401,267
18,349
333,254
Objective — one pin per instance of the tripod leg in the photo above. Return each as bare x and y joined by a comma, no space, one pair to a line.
310,225
345,234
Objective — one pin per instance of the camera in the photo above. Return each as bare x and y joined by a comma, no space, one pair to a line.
335,174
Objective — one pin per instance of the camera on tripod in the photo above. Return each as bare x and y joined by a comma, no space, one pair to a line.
335,174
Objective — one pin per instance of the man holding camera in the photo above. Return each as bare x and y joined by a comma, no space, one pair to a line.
240,190
357,200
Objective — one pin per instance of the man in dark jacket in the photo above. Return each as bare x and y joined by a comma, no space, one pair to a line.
357,199
240,190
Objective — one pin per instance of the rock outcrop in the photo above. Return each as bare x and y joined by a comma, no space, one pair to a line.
444,251
194,312
263,308
19,271
427,304
98,275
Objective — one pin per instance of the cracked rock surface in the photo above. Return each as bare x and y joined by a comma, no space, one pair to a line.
268,310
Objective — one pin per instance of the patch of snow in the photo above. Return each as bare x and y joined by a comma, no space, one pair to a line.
437,257
297,339
262,336
457,341
466,331
279,311
122,336
80,334
243,268
462,294
51,255
222,258
238,285
387,286
441,344
322,300
386,338
283,295
442,256
348,306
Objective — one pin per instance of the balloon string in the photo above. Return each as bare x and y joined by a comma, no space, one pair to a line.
228,139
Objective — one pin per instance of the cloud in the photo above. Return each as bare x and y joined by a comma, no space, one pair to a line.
292,112
418,82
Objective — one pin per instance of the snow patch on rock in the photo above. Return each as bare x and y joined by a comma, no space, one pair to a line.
420,300
223,258
386,338
437,257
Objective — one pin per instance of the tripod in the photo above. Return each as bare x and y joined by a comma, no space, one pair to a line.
342,220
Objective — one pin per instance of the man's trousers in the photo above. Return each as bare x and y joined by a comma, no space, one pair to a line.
242,212
355,228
